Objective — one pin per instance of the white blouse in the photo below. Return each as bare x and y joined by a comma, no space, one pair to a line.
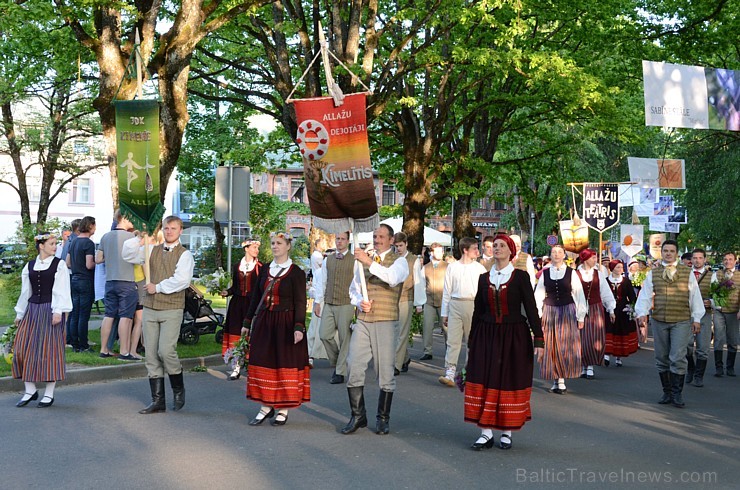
61,294
500,277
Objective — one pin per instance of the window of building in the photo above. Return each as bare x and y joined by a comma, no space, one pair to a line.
296,232
296,190
242,231
389,195
499,206
33,186
81,191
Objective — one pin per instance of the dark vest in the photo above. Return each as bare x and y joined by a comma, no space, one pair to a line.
591,290
42,282
558,291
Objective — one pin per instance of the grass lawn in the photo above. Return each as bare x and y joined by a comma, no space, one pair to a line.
8,298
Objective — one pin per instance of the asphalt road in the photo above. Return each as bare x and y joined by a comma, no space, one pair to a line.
605,433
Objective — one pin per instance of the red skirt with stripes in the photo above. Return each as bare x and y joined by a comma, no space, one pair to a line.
38,351
278,372
498,382
593,336
621,336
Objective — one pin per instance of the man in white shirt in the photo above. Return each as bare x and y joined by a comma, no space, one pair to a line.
677,302
486,256
458,295
411,296
432,281
171,272
374,335
331,288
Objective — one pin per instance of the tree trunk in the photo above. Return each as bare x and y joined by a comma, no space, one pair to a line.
463,226
15,154
220,237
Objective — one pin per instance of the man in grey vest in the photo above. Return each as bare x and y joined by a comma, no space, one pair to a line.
374,335
332,290
432,280
171,272
411,294
676,303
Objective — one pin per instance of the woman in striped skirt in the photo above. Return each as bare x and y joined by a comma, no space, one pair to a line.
599,297
563,307
38,351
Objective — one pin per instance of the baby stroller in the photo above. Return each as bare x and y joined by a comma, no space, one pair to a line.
199,318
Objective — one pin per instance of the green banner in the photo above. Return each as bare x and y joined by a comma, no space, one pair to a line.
137,140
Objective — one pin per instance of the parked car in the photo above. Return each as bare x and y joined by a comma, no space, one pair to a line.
11,257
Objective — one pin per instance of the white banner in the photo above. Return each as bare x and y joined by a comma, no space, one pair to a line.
680,96
632,239
656,242
651,172
648,197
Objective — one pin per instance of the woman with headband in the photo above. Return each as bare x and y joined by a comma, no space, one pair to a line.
621,334
38,351
244,276
498,382
562,307
278,373
599,298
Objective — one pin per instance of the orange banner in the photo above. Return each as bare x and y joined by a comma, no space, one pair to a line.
336,161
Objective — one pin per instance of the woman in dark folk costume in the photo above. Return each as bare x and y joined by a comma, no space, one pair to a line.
244,276
621,333
501,355
278,372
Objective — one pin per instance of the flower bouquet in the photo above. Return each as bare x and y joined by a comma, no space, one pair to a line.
6,343
720,291
630,310
216,282
239,354
638,278
460,379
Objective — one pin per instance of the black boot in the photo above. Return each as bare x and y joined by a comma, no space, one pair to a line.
719,371
730,363
677,389
357,405
384,412
701,366
665,380
157,404
178,390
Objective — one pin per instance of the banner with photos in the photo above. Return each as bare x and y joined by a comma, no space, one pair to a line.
681,96
652,172
339,179
137,146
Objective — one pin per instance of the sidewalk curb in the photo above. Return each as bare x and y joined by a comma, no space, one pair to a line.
111,373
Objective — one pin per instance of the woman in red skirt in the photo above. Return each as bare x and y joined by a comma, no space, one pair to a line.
38,351
599,298
244,276
621,333
500,352
278,372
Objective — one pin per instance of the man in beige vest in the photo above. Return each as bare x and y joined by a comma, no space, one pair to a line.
171,272
726,317
486,255
432,280
411,295
677,302
374,334
332,290
703,275
523,261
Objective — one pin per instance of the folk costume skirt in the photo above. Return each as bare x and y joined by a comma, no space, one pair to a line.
278,372
235,315
593,336
498,382
562,342
621,336
38,351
